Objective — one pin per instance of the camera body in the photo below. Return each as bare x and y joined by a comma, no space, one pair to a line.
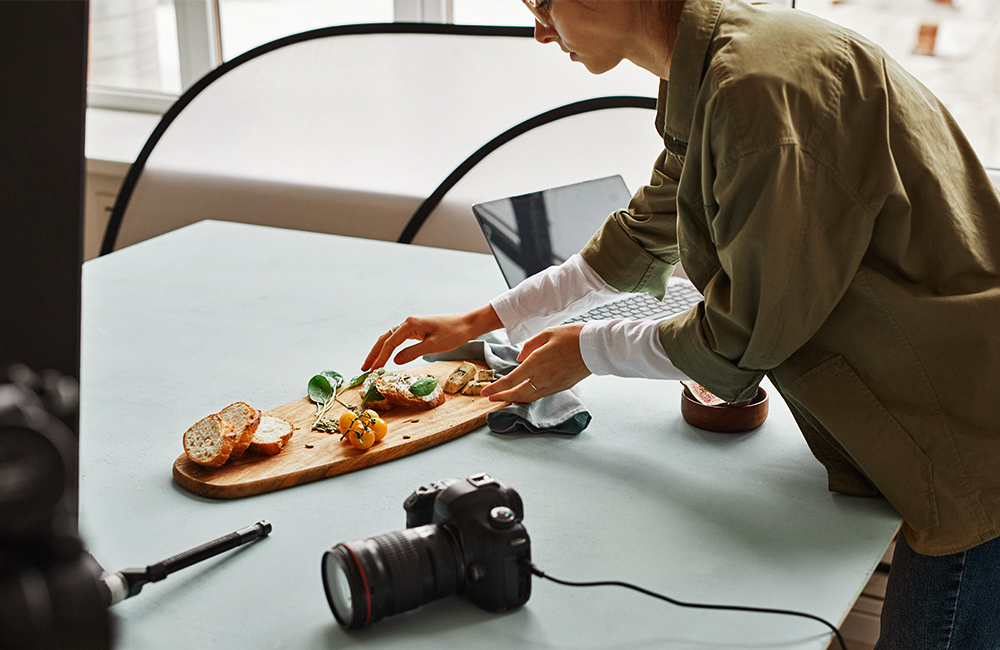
485,514
463,537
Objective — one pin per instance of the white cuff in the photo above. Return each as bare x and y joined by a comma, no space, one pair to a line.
550,297
626,348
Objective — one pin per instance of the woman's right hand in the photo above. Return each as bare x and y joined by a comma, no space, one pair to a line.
434,333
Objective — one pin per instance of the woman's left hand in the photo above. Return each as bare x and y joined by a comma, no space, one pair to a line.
550,362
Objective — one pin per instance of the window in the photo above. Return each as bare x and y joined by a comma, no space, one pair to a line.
145,52
245,24
951,46
133,49
492,12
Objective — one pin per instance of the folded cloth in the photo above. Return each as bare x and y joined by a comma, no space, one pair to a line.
561,412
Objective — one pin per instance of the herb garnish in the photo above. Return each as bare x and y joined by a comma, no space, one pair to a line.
424,387
325,388
371,395
322,391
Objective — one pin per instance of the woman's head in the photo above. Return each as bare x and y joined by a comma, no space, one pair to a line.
600,33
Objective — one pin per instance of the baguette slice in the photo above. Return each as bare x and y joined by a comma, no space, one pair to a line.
395,388
210,441
376,405
271,435
245,420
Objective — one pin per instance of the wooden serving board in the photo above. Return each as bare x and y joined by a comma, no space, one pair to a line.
410,430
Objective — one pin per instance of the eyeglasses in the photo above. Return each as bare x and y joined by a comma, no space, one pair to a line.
540,8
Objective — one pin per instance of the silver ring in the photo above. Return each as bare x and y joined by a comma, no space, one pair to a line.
392,330
533,387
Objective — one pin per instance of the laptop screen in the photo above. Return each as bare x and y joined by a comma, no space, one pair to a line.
532,232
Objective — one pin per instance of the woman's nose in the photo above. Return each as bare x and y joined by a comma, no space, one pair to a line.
544,34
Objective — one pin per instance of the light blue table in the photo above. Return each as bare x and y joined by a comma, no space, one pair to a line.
179,326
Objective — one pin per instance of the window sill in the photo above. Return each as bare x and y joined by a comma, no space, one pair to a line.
114,139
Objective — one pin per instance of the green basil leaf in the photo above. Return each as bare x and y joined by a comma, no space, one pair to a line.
335,378
372,395
360,379
320,390
424,387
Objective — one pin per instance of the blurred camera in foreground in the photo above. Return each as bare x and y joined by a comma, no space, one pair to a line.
462,537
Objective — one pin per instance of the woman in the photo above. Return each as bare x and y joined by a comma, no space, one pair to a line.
847,242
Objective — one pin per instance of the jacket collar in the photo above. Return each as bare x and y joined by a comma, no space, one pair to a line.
679,97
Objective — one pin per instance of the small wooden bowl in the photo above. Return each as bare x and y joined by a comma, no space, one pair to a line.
725,418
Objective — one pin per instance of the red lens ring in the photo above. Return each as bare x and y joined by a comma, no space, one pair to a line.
364,581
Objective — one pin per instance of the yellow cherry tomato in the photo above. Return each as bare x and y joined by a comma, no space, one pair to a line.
358,425
347,418
363,430
380,428
375,423
362,439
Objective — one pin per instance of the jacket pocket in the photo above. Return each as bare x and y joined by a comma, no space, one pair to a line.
884,451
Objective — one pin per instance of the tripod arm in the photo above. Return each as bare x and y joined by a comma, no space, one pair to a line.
128,583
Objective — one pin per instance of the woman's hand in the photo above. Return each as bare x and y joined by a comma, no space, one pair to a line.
550,362
435,333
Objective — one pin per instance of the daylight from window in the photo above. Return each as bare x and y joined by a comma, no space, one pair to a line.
952,46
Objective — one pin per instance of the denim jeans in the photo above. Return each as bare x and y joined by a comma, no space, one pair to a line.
950,602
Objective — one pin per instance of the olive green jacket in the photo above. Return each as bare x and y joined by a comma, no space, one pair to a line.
847,242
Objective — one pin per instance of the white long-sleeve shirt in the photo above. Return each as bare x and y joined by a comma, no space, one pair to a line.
627,348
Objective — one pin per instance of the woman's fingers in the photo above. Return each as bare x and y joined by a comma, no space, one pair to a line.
384,346
433,333
550,362
428,345
518,392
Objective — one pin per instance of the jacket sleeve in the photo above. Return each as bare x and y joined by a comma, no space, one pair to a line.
789,240
636,249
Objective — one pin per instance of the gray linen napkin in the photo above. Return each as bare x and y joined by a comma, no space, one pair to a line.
562,412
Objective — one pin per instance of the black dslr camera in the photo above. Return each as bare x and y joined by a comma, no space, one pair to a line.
462,537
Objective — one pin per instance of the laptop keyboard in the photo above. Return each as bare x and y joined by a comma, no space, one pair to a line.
639,306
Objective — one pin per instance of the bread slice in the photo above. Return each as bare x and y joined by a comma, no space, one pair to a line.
380,405
245,420
395,388
210,441
271,435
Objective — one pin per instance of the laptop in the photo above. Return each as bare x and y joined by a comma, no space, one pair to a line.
530,232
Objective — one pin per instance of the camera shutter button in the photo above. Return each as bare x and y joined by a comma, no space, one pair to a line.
502,517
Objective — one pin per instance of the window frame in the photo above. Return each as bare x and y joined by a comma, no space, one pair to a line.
199,42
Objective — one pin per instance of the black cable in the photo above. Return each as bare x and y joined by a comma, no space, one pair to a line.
734,608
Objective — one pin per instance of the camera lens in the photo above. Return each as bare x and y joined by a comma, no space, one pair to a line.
366,580
338,588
